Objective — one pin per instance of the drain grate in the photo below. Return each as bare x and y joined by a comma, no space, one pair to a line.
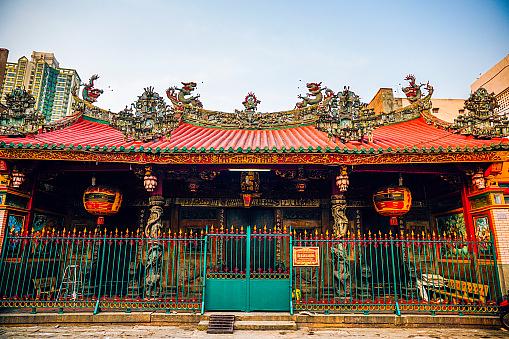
221,324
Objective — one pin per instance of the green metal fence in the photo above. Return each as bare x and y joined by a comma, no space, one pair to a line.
385,273
107,270
248,269
127,271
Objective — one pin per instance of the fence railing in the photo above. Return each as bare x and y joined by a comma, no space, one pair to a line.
107,270
374,273
361,273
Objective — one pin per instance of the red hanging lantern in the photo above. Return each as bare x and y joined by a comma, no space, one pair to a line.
393,202
247,198
102,201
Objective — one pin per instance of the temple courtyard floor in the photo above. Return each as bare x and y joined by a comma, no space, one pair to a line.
151,331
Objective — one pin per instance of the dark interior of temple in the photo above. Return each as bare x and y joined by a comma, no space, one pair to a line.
59,196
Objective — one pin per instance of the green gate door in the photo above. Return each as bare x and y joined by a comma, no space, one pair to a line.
248,270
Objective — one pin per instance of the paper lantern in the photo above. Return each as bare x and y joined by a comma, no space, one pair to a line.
18,178
149,180
247,198
393,202
102,200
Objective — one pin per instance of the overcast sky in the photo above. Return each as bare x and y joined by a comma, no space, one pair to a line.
270,47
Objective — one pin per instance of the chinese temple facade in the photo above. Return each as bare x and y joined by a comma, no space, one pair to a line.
328,207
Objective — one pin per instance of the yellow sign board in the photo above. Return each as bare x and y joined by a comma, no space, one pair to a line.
306,256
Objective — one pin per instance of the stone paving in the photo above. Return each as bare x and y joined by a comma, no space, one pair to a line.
141,331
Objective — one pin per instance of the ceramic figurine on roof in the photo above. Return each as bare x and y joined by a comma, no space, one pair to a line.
413,92
248,117
20,117
481,121
347,118
148,118
90,93
251,102
314,96
182,96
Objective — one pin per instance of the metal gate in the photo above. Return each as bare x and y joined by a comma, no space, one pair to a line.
248,270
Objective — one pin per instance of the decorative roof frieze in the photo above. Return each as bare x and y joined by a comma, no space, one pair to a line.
20,117
480,119
147,119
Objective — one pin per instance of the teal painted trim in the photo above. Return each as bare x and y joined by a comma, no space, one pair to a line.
204,277
248,265
96,308
100,121
291,272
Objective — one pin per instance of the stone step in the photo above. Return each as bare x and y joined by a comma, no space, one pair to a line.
221,324
264,317
256,316
265,325
255,325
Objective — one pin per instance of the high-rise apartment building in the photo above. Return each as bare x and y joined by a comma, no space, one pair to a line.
50,84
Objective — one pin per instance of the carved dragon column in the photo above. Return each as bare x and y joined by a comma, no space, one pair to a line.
153,229
340,252
338,203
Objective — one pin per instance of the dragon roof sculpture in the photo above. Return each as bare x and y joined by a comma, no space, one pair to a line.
341,115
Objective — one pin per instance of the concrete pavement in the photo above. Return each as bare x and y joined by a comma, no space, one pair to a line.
151,331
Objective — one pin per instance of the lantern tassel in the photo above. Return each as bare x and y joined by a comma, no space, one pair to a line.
394,221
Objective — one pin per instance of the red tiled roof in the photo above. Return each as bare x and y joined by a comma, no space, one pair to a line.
404,136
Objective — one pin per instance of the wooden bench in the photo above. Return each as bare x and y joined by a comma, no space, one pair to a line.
464,290
45,286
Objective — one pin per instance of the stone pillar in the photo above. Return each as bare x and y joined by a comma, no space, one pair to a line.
338,203
340,252
153,230
153,260
338,207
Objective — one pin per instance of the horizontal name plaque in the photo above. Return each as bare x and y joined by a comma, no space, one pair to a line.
306,256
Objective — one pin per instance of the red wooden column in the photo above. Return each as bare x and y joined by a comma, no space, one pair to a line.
487,218
469,225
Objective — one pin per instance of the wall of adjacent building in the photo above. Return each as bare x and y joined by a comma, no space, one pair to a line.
444,109
496,80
